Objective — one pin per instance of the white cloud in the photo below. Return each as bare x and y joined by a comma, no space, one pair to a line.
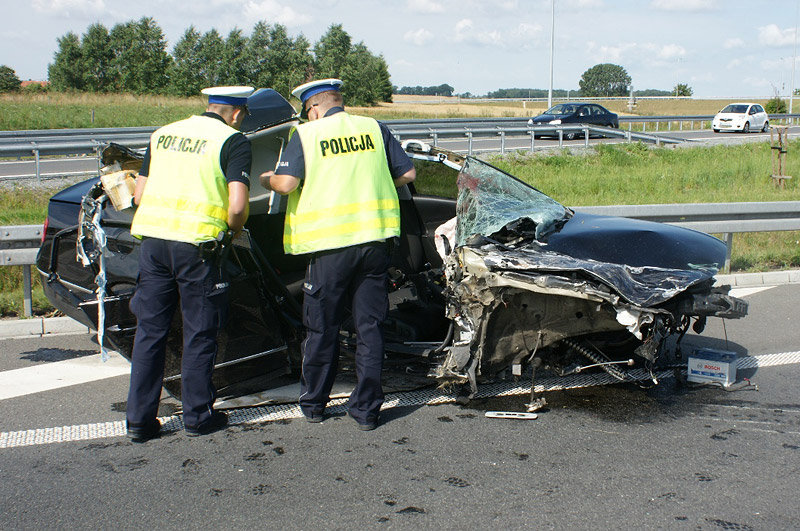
464,32
419,37
671,51
735,42
526,31
757,82
67,8
734,64
274,12
424,6
685,5
772,35
611,54
580,4
630,53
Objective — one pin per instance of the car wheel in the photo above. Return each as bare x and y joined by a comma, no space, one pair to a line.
716,130
570,135
746,128
766,127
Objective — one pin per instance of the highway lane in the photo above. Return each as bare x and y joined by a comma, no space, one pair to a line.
86,165
616,455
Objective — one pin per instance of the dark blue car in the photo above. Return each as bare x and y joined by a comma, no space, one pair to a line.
577,113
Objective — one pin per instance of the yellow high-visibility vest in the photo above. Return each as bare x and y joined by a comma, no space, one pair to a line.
348,196
186,196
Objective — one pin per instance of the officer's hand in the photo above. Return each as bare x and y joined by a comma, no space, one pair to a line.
264,178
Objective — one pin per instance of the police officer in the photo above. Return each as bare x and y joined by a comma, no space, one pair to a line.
340,172
193,184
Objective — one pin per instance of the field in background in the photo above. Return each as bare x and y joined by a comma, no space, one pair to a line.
65,111
621,174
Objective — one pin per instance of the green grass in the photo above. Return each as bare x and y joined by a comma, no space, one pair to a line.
635,174
60,111
609,174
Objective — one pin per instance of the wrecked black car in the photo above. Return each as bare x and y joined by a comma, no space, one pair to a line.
499,281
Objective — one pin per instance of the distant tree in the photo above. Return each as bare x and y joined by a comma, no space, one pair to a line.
775,106
531,93
259,43
97,57
237,61
35,88
331,51
140,62
185,77
9,82
66,70
654,92
605,80
366,77
439,90
682,89
210,49
278,61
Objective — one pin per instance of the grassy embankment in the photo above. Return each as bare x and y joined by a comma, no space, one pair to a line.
623,174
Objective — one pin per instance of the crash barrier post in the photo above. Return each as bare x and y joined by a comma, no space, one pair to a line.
19,245
779,150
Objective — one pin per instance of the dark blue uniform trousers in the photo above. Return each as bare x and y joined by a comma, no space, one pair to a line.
334,278
170,271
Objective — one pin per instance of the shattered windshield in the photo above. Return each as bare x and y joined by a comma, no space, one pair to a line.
490,200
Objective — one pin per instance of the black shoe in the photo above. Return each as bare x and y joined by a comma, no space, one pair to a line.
314,418
216,422
369,425
143,432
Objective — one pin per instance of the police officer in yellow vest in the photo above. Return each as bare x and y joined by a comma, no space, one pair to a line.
340,172
193,183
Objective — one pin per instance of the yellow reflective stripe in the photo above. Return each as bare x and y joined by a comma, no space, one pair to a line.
188,206
387,224
341,210
178,229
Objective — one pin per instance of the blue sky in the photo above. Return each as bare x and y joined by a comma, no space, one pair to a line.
720,48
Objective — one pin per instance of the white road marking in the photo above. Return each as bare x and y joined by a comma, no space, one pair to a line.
744,292
261,414
49,376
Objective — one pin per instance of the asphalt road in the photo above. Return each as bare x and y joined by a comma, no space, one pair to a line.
613,456
88,166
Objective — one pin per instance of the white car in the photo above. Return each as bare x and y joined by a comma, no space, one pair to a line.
744,117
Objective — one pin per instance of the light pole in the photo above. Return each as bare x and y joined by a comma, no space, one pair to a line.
552,41
794,57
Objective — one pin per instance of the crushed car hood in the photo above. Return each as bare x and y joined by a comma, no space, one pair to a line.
515,227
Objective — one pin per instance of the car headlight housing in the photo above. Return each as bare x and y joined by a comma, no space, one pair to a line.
555,122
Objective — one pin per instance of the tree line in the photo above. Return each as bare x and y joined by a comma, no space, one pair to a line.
133,57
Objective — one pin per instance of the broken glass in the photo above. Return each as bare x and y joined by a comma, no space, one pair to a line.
489,200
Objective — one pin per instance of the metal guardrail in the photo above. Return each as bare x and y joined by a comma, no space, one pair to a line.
558,131
38,143
19,244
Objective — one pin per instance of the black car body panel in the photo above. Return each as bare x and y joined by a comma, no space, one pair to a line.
528,281
577,113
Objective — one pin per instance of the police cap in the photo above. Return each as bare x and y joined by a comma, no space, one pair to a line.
305,91
236,96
